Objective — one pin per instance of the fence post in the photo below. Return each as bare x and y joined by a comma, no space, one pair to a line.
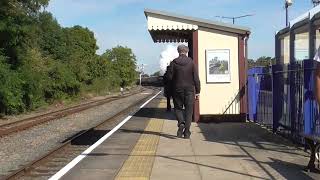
292,95
251,94
277,93
308,95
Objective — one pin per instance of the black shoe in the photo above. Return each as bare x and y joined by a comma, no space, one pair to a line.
180,131
187,135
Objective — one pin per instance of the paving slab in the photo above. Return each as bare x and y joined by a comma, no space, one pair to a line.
108,158
228,151
175,157
147,148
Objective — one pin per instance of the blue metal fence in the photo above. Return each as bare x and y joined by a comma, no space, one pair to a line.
310,106
282,98
260,95
288,97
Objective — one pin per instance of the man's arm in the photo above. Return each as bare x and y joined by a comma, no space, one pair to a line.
317,79
196,79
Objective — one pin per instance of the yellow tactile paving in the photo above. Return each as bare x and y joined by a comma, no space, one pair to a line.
139,164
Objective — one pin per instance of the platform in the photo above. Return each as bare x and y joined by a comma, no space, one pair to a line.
146,147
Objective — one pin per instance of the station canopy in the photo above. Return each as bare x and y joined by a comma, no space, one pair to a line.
170,27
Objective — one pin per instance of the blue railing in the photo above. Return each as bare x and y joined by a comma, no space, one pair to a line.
282,98
260,96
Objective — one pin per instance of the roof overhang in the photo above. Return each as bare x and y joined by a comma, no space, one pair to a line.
157,22
307,15
170,27
301,23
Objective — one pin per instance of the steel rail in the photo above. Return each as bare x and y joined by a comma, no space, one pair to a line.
65,145
27,123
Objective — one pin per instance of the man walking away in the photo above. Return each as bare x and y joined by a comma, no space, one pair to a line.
167,87
186,87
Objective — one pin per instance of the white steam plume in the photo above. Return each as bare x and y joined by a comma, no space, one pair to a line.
169,54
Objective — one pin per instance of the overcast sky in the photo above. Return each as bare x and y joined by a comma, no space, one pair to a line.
122,22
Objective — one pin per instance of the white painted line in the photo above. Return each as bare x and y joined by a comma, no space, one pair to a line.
76,160
149,100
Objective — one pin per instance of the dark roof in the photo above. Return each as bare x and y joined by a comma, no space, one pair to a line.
203,22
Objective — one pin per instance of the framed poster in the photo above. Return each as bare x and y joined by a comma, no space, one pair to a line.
218,66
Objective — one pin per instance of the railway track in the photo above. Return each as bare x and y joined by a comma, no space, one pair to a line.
47,165
9,128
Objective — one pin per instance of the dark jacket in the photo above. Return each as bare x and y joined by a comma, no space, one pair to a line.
167,83
184,73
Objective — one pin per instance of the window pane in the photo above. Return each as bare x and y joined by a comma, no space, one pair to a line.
301,44
285,49
317,40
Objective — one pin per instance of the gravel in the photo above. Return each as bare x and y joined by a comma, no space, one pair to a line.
23,147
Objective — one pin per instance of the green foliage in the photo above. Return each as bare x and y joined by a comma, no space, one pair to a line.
156,73
10,90
80,41
41,62
62,82
18,29
52,40
21,7
262,61
123,63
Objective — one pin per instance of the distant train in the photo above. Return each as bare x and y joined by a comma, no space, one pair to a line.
156,81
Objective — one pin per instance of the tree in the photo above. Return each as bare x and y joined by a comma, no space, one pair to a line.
156,73
145,76
51,40
80,42
17,26
11,96
41,62
21,7
263,61
251,63
123,63
81,47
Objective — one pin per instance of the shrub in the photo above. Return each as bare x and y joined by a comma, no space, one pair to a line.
62,82
33,72
11,96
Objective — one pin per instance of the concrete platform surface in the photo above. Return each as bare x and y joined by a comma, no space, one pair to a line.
214,151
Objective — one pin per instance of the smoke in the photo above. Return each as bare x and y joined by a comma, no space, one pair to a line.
169,54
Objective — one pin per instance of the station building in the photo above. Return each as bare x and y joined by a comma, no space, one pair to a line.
219,51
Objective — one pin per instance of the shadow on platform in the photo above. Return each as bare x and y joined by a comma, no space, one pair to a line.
149,132
258,143
157,113
88,138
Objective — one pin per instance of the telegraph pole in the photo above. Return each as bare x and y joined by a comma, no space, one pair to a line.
234,17
141,72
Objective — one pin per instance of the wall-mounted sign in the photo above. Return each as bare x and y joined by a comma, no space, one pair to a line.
218,65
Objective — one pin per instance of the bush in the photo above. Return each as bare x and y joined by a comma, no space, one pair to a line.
41,62
33,72
11,96
62,82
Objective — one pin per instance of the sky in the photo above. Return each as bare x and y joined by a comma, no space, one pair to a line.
122,22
